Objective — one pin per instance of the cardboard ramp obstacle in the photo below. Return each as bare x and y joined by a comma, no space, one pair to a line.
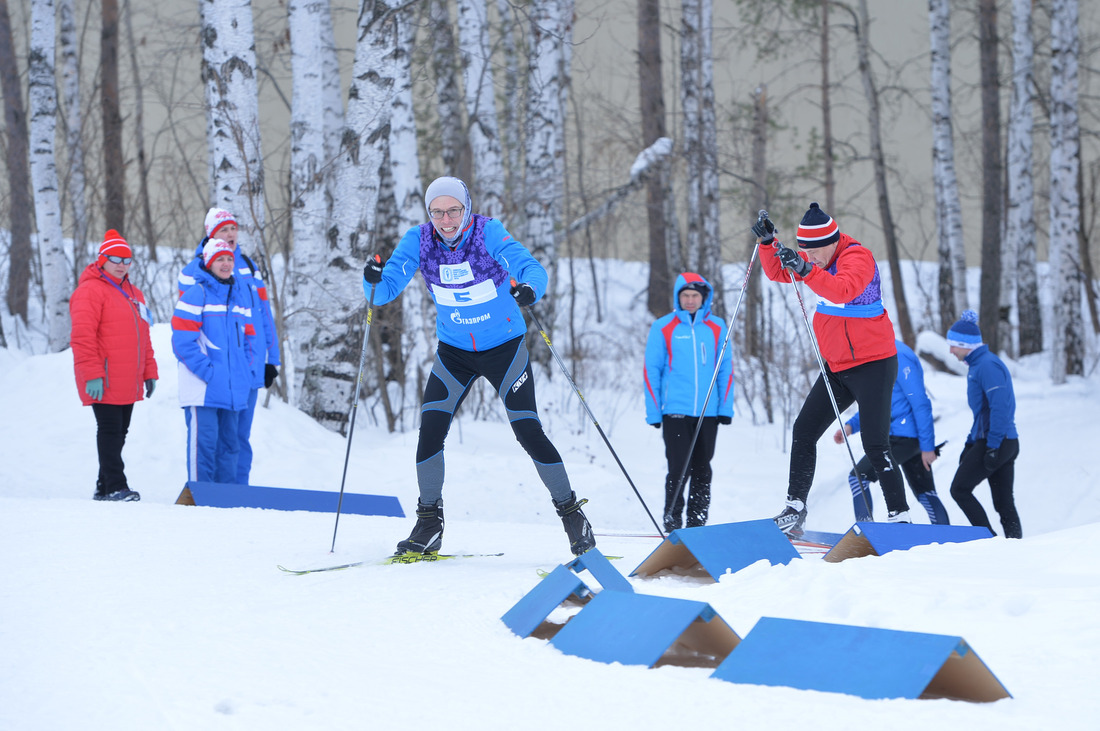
640,629
232,495
875,539
711,550
861,661
530,615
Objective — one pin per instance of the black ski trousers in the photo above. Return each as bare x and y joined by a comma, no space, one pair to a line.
677,431
970,474
112,424
869,385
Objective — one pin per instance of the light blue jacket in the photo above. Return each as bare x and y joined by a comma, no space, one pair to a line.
680,361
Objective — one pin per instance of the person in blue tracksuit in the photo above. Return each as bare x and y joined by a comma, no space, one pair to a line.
993,444
912,441
215,341
221,224
479,277
681,356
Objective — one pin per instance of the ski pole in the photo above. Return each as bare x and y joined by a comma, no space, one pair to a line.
828,386
561,364
717,367
355,406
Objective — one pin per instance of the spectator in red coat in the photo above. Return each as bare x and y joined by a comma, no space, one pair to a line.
112,356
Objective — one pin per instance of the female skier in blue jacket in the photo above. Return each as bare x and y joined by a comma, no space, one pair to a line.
468,262
680,359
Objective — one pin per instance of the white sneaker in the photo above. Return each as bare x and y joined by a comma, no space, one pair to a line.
901,516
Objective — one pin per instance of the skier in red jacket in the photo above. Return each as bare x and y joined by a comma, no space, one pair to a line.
856,340
112,356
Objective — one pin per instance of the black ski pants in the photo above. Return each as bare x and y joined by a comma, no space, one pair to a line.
678,431
112,424
869,385
970,474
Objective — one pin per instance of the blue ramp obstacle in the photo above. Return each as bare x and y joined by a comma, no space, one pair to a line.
639,629
529,615
861,661
875,539
232,495
600,568
711,550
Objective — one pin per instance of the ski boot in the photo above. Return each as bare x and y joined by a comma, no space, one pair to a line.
898,516
577,527
427,534
791,519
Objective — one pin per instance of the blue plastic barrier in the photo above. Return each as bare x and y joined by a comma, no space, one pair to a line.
875,539
861,661
712,550
600,568
232,495
528,616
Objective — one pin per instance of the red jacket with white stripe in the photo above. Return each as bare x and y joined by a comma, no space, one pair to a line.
110,337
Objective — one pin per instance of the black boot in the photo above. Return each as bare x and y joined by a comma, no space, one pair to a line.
576,525
427,534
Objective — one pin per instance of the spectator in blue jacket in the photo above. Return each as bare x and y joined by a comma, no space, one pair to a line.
479,277
912,442
993,444
215,341
681,357
221,224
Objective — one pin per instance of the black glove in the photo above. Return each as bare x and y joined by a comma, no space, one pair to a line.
764,230
372,272
524,294
270,374
150,386
791,260
989,461
725,420
656,426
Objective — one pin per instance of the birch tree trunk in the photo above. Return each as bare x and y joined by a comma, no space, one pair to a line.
826,112
690,94
139,137
481,112
651,97
878,157
448,102
47,202
1019,284
1067,345
511,132
74,131
992,176
15,122
952,254
332,95
233,108
309,212
709,193
331,355
114,164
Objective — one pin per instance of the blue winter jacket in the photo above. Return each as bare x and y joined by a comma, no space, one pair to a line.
991,397
910,408
246,276
470,283
215,341
680,361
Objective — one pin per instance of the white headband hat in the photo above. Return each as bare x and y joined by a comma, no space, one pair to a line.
456,189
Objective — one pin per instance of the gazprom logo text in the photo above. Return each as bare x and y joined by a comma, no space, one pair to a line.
459,320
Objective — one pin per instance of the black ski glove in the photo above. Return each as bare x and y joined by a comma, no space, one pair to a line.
790,259
989,461
150,386
764,230
372,272
656,426
270,374
524,294
725,420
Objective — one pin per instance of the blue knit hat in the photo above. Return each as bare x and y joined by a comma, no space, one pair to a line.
817,229
965,333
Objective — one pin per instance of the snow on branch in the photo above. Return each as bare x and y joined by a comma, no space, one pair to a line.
639,172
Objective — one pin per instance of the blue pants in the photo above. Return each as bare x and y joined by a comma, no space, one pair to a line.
244,434
212,445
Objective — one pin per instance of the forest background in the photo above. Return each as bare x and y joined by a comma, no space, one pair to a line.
318,124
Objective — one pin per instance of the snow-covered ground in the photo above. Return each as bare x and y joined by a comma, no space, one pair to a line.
155,616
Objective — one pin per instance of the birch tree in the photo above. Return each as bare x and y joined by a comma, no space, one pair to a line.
1019,283
448,99
511,132
308,208
47,202
481,113
651,98
1067,345
74,129
229,75
691,101
15,123
332,95
992,175
952,253
709,194
331,355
